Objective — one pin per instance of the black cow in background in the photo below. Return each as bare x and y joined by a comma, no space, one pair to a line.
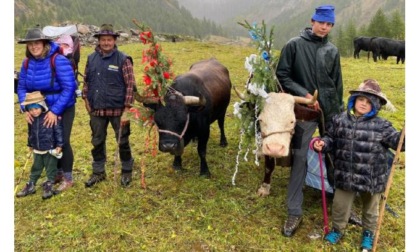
361,43
193,102
385,47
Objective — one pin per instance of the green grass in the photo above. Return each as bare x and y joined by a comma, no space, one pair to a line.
183,212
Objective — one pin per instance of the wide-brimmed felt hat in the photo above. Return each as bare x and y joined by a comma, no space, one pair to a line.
106,29
34,34
371,86
324,13
33,97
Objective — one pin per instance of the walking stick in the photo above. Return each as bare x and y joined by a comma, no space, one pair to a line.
28,157
388,186
324,198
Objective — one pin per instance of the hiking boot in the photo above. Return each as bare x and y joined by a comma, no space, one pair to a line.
291,225
66,184
95,178
126,178
48,190
29,189
367,241
333,236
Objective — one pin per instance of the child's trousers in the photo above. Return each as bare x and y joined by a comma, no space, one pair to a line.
342,204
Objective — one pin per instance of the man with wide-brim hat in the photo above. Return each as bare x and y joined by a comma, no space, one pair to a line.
108,93
106,29
34,34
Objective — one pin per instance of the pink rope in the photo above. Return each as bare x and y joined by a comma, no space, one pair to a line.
324,198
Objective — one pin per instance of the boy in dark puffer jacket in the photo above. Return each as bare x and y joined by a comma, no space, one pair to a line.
359,140
46,144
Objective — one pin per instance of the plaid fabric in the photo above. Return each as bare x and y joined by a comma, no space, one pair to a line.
313,176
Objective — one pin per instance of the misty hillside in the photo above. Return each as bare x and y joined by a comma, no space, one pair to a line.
223,11
164,16
199,18
288,16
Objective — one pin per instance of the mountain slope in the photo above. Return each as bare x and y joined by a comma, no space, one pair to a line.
164,16
288,16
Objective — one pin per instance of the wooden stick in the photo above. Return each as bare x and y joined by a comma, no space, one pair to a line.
388,186
28,157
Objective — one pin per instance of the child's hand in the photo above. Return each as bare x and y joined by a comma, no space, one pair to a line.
318,145
58,150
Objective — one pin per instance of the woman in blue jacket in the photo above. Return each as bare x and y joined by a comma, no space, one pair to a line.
50,73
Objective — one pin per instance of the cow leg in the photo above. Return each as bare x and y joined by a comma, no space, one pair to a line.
202,149
269,164
177,164
356,54
221,123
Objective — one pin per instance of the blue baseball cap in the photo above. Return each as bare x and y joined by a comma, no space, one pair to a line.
324,13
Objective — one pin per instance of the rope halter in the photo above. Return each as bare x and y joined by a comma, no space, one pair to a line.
176,134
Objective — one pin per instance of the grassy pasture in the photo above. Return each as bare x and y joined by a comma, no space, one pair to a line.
183,212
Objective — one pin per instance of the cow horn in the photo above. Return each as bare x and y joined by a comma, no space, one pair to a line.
146,99
307,101
194,100
241,96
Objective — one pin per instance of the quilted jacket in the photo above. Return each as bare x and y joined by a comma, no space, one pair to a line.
37,77
360,147
43,138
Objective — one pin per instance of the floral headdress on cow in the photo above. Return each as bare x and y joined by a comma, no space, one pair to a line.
262,80
157,77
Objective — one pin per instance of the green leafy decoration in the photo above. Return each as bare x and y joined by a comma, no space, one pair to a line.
262,80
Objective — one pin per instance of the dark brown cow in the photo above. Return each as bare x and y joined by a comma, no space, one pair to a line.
193,102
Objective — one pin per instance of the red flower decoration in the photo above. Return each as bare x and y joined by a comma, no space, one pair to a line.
145,36
153,63
135,112
157,74
147,80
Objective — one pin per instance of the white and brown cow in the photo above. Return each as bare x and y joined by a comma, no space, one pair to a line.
277,122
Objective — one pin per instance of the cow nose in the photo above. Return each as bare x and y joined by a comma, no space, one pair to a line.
274,150
166,147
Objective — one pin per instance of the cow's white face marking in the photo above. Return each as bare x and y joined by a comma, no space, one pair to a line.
277,122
